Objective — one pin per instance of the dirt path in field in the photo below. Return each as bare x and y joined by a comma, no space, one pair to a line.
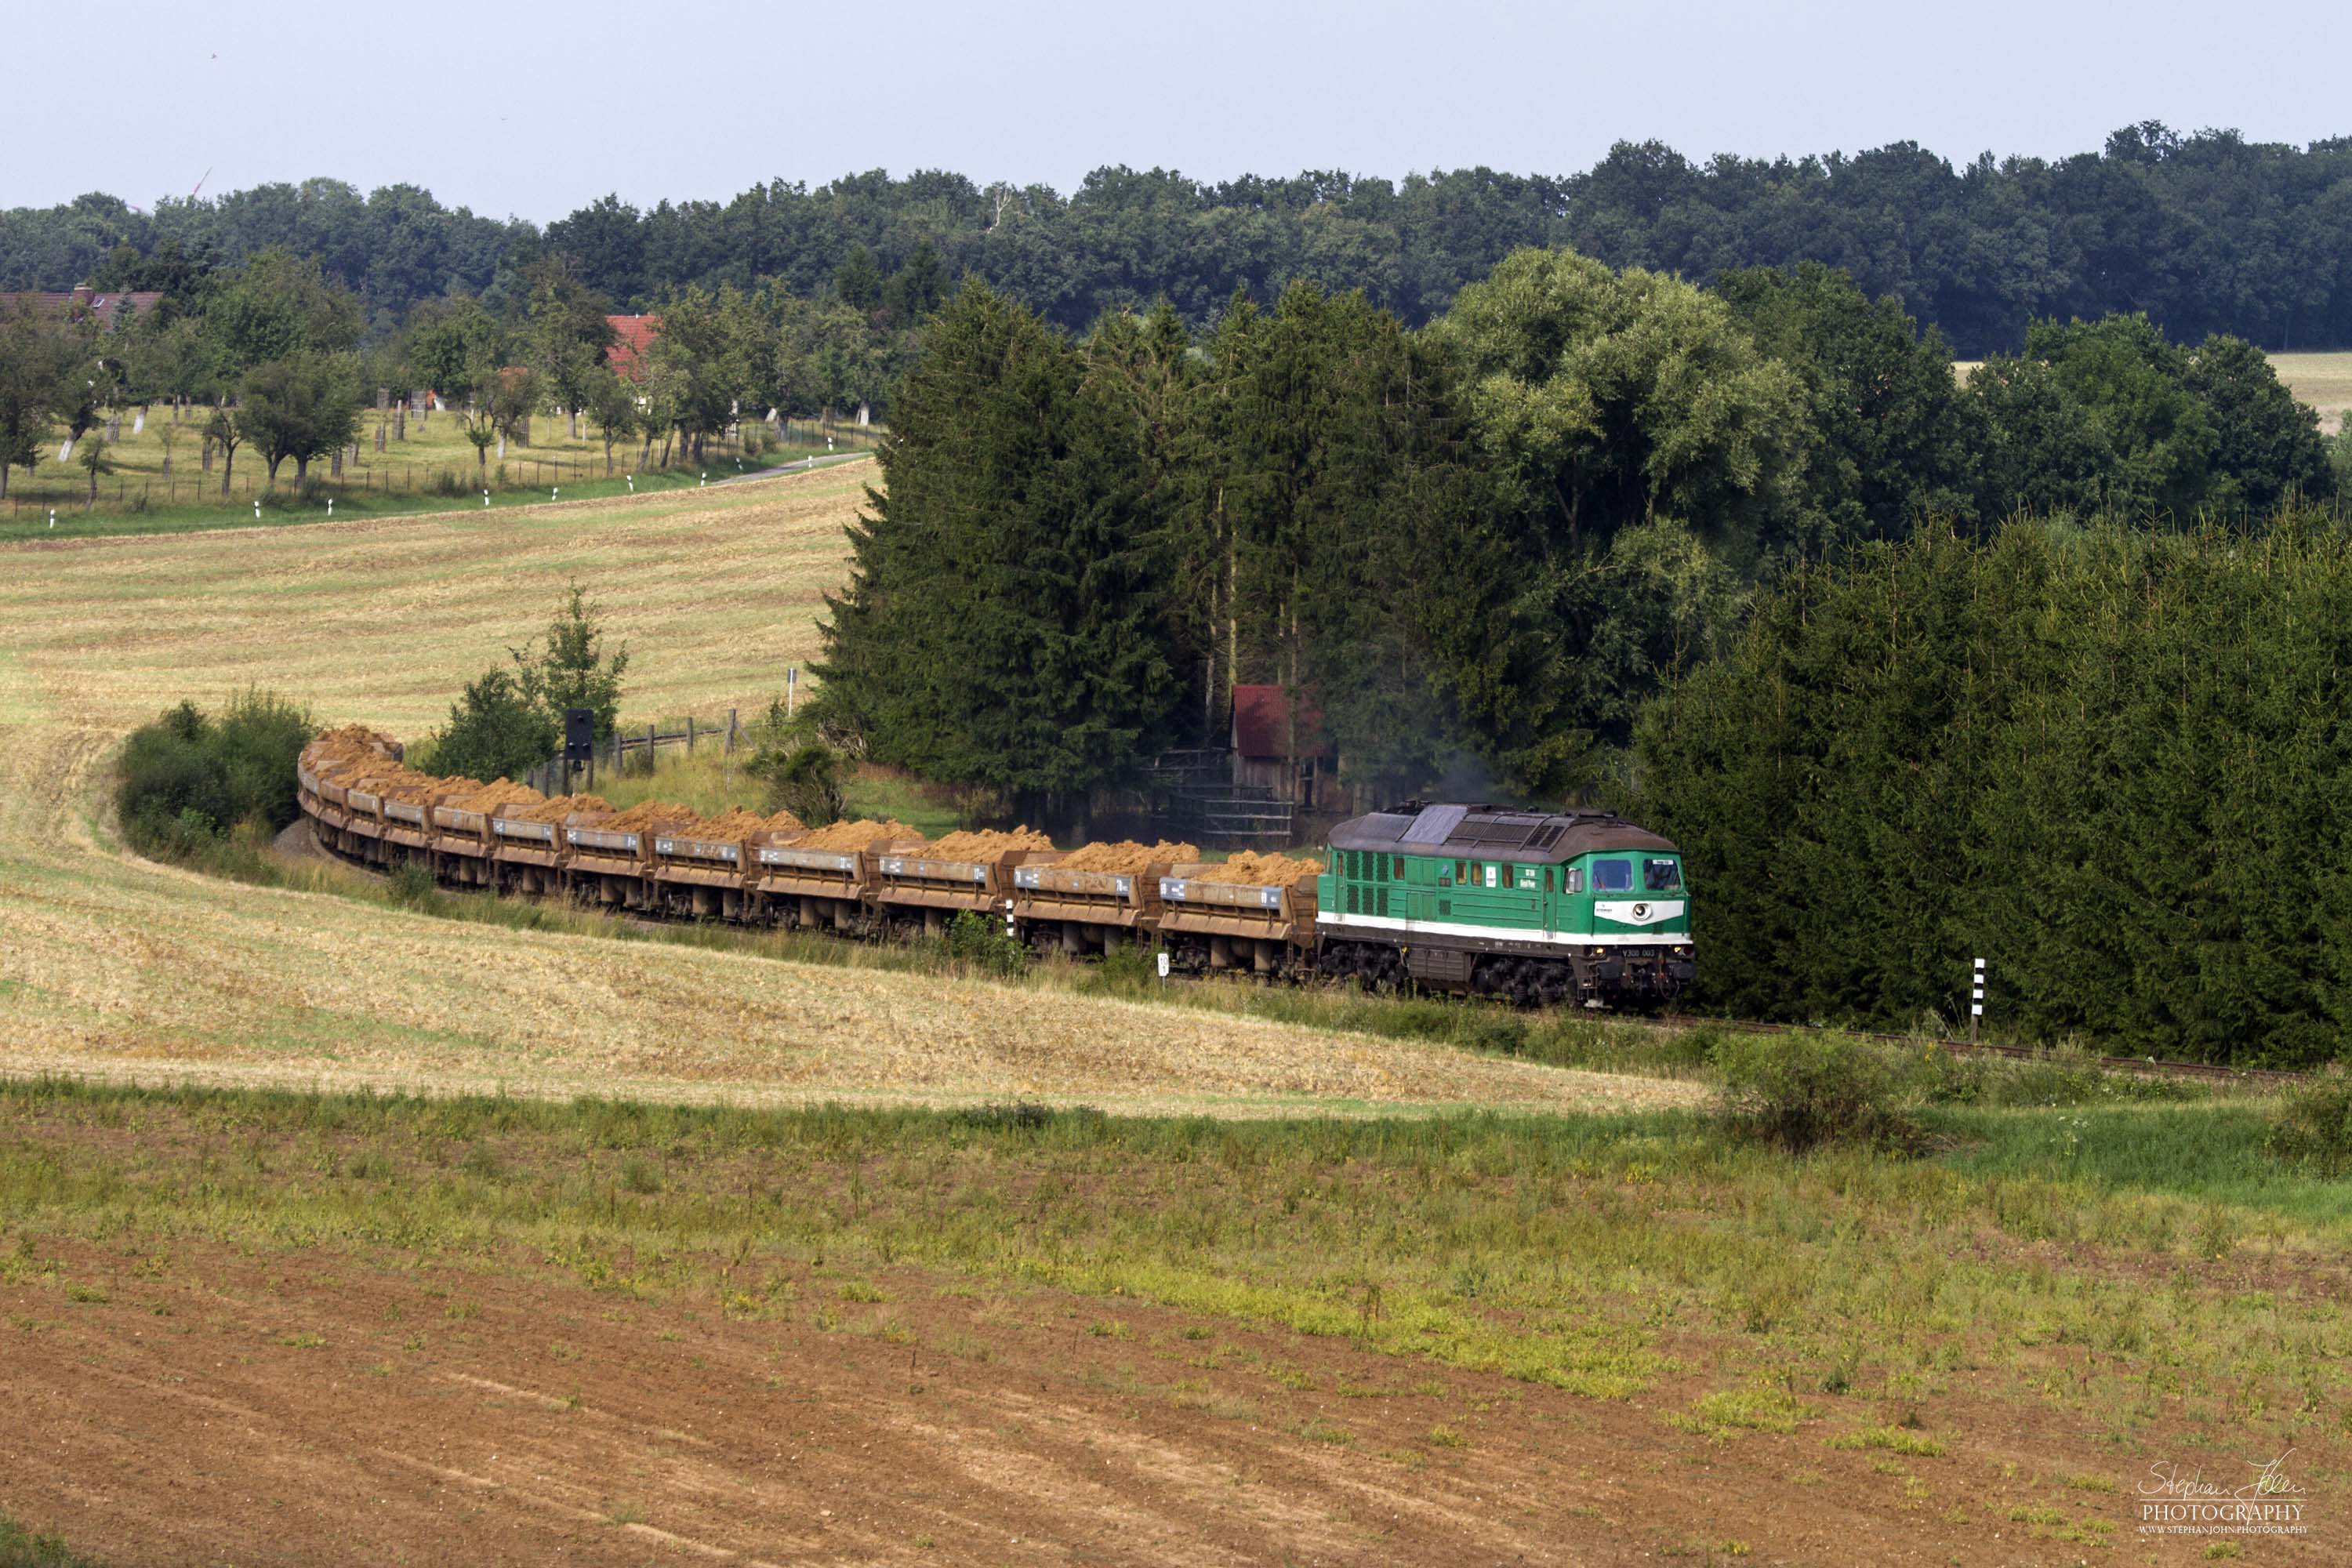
323,1409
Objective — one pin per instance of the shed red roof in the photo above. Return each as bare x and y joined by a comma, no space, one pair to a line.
1262,723
632,335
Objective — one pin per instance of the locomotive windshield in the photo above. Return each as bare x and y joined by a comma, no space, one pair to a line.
1612,876
1661,876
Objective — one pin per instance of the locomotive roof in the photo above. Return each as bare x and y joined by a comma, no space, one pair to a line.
1493,833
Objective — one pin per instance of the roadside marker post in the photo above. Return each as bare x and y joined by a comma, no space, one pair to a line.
1976,1002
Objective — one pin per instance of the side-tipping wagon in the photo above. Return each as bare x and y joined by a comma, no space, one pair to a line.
826,890
1084,911
611,868
918,893
700,878
1266,928
528,856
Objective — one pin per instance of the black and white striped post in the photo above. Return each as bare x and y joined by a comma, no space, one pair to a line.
1975,1003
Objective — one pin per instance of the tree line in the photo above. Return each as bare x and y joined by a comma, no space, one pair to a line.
2115,761
1482,545
2202,234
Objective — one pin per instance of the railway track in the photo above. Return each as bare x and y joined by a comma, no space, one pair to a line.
2144,1067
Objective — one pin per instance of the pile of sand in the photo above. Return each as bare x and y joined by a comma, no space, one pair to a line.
1127,855
350,744
739,826
650,813
486,799
856,836
393,781
987,844
557,807
1251,869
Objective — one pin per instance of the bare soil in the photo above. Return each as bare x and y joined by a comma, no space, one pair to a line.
329,1406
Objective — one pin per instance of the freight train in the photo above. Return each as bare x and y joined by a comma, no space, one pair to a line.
1540,908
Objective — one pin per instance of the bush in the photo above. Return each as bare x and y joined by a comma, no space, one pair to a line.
1801,1088
495,731
979,940
187,778
801,771
2312,1127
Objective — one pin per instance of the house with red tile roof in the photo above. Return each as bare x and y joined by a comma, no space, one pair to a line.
632,336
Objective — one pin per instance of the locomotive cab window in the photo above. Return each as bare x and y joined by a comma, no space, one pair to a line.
1612,876
1573,879
1661,876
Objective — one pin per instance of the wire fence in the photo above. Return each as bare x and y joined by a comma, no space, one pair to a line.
237,482
626,752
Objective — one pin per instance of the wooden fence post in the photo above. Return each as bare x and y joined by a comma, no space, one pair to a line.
689,734
731,733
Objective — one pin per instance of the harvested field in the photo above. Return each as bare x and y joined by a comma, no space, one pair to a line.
115,965
1126,855
1251,869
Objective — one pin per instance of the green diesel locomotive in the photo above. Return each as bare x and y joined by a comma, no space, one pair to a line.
1539,907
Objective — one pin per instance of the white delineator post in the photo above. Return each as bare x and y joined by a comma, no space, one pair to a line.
1976,1002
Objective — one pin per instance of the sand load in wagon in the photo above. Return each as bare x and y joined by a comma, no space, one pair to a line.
1254,912
824,879
1095,898
922,888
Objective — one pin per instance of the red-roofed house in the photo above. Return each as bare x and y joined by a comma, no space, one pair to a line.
83,303
1264,743
632,336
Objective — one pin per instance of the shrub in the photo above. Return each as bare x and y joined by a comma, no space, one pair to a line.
188,778
1800,1089
495,731
2312,1127
979,940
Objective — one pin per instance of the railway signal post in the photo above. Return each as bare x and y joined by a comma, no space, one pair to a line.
1976,1002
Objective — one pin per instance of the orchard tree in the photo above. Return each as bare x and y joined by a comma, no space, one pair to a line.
612,403
92,459
33,366
567,335
450,346
302,406
223,430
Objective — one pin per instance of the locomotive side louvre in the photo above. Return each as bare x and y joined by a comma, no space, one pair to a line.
1539,907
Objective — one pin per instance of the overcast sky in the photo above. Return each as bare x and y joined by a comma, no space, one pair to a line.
534,108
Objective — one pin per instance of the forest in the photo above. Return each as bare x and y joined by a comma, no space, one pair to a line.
2202,233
